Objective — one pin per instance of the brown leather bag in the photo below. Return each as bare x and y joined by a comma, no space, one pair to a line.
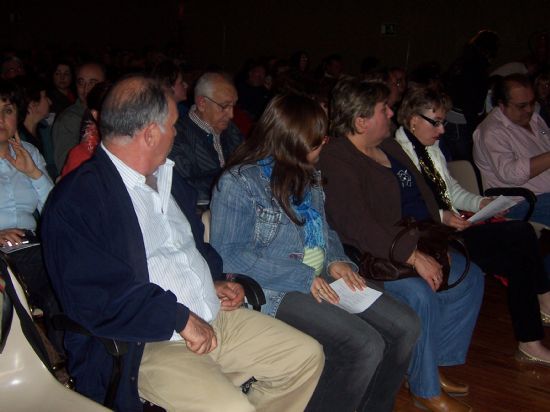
434,240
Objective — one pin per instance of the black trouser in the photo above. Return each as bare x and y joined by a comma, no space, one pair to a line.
511,249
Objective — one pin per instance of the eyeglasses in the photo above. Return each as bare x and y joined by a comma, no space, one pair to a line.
223,107
434,123
83,82
525,105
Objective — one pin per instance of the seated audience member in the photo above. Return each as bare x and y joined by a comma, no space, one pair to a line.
11,67
467,81
171,76
60,93
512,146
268,223
542,94
207,136
35,108
125,252
89,129
508,248
253,95
24,188
65,133
369,191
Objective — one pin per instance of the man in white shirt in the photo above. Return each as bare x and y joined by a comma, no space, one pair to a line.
123,246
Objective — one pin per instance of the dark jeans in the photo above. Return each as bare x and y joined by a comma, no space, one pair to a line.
511,249
366,355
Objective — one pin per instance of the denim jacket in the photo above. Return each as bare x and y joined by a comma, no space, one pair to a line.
255,237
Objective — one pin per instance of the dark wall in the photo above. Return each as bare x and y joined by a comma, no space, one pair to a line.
227,32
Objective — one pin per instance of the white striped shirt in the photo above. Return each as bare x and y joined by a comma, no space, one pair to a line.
173,261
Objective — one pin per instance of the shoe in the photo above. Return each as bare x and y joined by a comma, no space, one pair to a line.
545,318
453,388
523,356
441,403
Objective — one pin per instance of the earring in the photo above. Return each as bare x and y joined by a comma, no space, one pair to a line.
413,128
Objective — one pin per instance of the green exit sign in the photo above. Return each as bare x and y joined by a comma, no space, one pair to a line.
388,29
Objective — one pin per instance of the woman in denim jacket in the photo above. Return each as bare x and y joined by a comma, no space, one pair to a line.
268,222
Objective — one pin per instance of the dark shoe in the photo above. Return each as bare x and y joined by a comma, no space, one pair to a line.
523,356
453,388
441,403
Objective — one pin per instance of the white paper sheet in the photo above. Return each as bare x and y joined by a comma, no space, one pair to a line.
354,301
498,205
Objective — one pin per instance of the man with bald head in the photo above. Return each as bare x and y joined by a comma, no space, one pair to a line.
66,129
512,145
206,136
125,252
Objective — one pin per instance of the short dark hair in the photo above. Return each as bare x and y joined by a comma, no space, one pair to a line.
10,92
503,85
96,96
30,88
352,98
167,72
131,104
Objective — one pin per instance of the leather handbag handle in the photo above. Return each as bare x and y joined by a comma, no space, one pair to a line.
411,225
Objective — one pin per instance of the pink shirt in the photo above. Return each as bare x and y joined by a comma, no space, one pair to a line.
502,151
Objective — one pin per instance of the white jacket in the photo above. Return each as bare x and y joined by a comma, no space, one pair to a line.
460,197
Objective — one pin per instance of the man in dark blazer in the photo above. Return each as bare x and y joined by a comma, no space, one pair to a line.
125,252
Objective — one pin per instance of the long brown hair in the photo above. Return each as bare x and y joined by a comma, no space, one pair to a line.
289,129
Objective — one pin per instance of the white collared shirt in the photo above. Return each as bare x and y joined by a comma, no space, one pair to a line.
173,261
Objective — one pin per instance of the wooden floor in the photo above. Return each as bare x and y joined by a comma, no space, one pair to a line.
497,381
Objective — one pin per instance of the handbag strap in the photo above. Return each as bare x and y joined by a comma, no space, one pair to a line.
411,225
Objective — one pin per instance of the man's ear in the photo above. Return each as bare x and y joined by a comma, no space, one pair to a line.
200,102
150,135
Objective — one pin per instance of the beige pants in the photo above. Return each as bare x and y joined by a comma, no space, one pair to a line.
286,363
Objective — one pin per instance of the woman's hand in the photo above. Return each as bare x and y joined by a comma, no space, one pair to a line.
11,237
22,160
453,220
321,290
343,270
428,268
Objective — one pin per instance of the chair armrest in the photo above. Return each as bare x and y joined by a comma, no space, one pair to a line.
528,195
252,289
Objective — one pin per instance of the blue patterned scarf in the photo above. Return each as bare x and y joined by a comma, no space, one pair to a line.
313,226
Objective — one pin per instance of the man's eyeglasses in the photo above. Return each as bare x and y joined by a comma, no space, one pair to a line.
524,105
223,107
434,123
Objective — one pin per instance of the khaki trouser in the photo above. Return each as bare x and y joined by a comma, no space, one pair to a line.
286,363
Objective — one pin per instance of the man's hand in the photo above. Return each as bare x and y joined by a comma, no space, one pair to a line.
199,335
231,294
10,237
343,270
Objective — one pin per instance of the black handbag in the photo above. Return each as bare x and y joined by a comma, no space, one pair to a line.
434,240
